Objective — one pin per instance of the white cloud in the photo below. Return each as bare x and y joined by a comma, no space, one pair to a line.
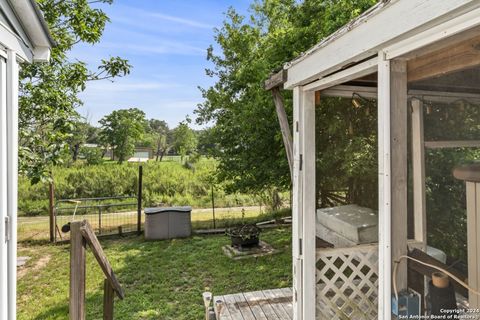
186,22
163,47
118,86
156,21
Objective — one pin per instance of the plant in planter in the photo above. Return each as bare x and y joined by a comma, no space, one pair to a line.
244,236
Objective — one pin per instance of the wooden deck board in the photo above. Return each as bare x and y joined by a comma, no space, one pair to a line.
225,312
274,304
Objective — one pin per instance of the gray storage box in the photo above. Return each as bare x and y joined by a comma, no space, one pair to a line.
167,223
346,226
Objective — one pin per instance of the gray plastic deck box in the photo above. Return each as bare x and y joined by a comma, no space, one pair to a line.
167,223
346,226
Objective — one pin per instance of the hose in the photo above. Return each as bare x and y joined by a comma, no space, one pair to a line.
460,282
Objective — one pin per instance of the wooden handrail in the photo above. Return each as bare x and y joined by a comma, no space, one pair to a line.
81,235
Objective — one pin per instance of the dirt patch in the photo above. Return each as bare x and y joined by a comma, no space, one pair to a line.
38,265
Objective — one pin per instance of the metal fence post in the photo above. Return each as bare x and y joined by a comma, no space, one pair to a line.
139,195
51,209
213,209
99,220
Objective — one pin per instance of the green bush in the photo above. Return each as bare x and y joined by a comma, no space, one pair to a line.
166,183
92,155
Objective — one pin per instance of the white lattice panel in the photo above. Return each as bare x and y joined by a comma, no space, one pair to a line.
347,283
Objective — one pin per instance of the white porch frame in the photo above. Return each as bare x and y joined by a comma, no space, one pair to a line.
347,55
304,204
304,181
8,183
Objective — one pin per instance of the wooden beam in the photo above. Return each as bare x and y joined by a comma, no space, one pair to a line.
276,80
346,91
77,272
398,144
469,172
87,232
353,72
284,127
463,55
418,166
427,271
452,144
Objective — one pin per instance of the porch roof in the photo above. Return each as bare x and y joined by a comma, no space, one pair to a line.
379,28
25,30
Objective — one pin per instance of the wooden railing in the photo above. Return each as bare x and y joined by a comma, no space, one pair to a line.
81,235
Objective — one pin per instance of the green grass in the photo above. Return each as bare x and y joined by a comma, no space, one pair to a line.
162,279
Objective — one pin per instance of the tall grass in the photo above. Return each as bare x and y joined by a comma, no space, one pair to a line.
167,183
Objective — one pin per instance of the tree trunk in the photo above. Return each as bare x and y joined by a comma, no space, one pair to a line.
158,150
162,153
76,149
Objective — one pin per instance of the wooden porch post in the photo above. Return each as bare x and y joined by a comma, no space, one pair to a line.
392,139
297,208
304,219
399,166
308,170
418,166
471,174
384,191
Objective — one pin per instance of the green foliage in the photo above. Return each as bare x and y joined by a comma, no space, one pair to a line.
184,139
121,129
346,144
446,204
92,155
164,182
49,91
249,143
161,137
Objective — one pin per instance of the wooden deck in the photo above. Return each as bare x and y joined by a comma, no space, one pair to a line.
266,304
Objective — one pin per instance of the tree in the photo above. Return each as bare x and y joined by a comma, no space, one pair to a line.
77,137
250,148
163,137
206,142
121,129
184,139
49,91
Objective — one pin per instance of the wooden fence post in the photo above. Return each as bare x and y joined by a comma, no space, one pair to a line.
77,272
139,205
108,300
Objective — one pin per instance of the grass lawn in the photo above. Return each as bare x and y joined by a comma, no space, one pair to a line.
162,279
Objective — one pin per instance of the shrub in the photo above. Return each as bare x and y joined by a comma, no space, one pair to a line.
92,155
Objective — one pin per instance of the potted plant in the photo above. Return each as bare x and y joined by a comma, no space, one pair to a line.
244,236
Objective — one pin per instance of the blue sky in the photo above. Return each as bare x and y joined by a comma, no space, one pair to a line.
166,42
